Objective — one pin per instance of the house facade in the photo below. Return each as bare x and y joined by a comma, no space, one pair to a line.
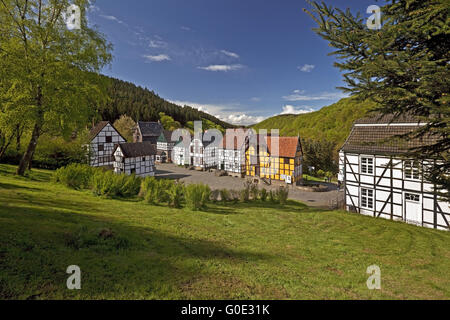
103,138
135,158
180,154
232,153
381,181
275,158
147,132
164,147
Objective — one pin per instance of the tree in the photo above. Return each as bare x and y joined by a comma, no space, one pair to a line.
125,125
51,72
168,122
404,67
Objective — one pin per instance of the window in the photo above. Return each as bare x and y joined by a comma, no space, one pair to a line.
101,147
367,198
143,158
412,170
412,197
108,139
367,165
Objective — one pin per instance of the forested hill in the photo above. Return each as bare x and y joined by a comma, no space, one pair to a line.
332,123
144,105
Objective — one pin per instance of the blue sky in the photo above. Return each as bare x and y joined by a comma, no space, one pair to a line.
242,61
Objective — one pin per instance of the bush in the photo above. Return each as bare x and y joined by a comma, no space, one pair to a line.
282,195
263,195
273,196
235,196
197,196
225,195
110,184
149,190
76,176
176,194
244,195
321,173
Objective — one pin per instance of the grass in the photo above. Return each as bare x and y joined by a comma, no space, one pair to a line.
244,251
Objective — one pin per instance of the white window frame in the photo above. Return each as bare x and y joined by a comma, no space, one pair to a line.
367,196
367,165
415,174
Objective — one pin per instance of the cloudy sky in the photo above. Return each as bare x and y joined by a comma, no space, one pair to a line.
240,60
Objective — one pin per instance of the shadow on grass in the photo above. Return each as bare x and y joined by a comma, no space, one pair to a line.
9,186
152,263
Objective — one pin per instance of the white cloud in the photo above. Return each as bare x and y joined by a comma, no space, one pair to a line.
300,96
157,44
185,28
157,58
307,68
290,109
222,67
230,54
112,18
255,99
226,112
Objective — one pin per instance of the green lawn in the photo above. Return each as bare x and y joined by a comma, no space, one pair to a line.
247,251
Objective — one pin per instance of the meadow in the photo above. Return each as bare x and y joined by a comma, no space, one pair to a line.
128,249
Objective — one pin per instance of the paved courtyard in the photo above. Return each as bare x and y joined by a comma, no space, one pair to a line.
313,199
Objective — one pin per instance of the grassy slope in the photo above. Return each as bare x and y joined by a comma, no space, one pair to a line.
244,251
332,123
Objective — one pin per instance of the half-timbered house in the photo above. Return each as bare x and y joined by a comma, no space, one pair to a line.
103,138
147,132
164,147
232,152
275,158
382,181
135,158
180,155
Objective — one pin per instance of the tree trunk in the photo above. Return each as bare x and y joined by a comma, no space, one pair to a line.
5,146
18,137
28,156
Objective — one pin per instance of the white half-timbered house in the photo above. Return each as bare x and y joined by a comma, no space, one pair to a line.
135,158
180,155
164,147
379,179
103,139
232,153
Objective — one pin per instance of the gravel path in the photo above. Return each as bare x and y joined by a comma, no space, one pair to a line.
313,199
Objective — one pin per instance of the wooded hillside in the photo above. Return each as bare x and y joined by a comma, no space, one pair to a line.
144,105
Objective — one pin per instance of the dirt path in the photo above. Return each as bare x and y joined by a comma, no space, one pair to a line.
313,199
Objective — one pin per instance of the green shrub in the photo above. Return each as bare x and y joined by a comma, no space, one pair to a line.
109,184
149,190
321,173
282,195
244,195
225,195
75,176
263,195
197,196
175,195
273,196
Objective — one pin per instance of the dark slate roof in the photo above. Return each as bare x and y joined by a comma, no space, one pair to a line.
96,130
388,119
383,135
140,149
165,136
150,129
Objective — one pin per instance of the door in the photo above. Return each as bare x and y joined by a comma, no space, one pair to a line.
413,208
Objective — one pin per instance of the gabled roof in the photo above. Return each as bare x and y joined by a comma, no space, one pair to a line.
288,146
96,130
165,136
150,129
382,135
140,149
99,127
